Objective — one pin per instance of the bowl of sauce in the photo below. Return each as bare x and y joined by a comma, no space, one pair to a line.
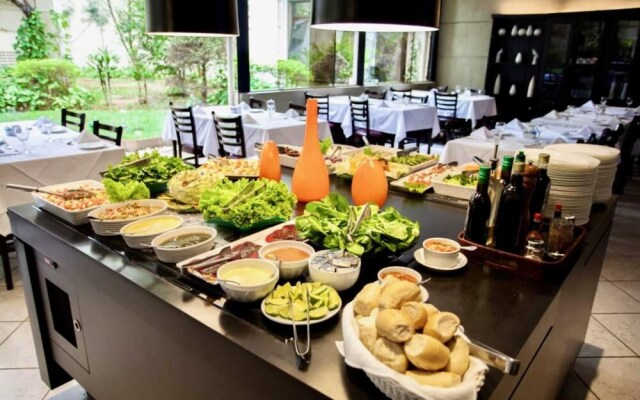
440,252
401,273
291,257
139,234
182,243
249,279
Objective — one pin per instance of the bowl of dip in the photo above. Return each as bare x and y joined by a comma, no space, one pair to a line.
253,279
182,243
440,252
291,256
139,234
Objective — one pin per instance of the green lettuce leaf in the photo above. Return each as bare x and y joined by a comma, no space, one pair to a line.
132,190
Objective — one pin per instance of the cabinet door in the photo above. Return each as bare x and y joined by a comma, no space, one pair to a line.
556,59
621,82
586,64
61,308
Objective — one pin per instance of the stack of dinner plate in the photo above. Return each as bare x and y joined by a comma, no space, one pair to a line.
608,157
573,178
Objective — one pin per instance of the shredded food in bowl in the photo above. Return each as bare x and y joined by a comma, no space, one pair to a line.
99,198
127,211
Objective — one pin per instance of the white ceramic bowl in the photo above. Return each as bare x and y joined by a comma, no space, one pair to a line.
340,280
139,234
440,259
78,217
177,255
112,227
248,293
402,270
288,269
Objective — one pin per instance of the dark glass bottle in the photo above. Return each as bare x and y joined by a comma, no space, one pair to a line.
543,184
476,224
495,191
521,157
509,218
534,232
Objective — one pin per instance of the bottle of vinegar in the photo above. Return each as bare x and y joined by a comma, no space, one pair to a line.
508,226
475,227
495,191
543,184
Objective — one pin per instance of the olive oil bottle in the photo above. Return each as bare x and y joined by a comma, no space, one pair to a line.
475,227
496,186
508,224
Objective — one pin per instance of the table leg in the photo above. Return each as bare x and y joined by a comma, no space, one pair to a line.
4,252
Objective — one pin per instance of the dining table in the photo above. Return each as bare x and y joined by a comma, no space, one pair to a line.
470,106
258,125
393,117
62,156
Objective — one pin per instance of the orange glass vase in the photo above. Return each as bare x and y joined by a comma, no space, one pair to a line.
369,184
311,177
270,161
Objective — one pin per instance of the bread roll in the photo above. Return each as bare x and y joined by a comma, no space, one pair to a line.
416,312
389,279
394,325
367,331
426,352
442,326
395,294
440,379
430,308
459,356
391,355
368,299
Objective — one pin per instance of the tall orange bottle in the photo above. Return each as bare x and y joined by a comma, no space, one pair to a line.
311,177
270,161
369,184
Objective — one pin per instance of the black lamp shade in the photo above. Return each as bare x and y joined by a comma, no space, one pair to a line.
181,18
376,16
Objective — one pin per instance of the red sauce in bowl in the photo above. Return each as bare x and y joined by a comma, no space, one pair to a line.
401,275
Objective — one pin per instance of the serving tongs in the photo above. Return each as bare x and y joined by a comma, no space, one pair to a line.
135,163
243,194
493,357
364,214
69,194
304,354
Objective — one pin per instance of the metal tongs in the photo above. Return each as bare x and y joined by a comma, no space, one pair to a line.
365,213
494,358
69,194
245,193
303,354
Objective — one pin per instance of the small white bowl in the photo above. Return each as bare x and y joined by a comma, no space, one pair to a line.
105,227
248,293
340,280
440,259
142,240
401,270
288,269
177,255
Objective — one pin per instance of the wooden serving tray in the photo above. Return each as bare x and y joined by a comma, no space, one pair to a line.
518,264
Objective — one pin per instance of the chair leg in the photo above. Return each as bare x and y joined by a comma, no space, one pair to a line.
174,144
4,252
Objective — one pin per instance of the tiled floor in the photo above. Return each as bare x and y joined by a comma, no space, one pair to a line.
607,367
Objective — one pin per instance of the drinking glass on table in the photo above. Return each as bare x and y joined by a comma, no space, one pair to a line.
458,89
603,101
570,110
22,134
629,103
46,129
271,107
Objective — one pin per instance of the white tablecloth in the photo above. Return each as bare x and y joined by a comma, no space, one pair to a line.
48,164
278,128
469,107
396,118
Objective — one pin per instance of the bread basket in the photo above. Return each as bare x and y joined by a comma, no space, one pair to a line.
396,385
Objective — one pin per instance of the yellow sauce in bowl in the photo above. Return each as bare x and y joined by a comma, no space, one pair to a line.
248,276
152,226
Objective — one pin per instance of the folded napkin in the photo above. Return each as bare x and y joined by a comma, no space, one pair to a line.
291,114
248,119
244,107
516,126
86,137
40,122
553,114
614,121
629,114
585,131
383,104
482,134
559,140
589,106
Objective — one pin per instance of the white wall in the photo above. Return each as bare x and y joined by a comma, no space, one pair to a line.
465,32
10,17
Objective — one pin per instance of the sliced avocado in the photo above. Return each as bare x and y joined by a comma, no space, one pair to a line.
334,300
318,313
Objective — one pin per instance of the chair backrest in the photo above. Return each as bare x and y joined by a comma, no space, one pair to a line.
256,103
99,129
185,126
446,104
302,110
610,137
360,115
74,119
372,94
230,133
399,94
419,99
323,103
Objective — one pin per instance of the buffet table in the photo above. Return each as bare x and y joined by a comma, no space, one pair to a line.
127,326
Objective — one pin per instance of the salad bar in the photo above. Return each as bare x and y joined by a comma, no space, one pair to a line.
185,305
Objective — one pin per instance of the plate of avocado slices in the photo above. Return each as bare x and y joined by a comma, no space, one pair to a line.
324,303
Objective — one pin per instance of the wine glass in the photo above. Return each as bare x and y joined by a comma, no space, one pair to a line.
629,101
22,135
603,101
46,129
570,110
271,107
458,89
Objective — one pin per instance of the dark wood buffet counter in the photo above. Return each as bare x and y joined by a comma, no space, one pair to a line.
127,326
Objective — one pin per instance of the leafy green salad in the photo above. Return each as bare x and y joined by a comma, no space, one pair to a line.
327,223
132,190
272,200
159,169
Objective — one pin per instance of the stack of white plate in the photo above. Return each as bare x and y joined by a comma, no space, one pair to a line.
573,178
608,157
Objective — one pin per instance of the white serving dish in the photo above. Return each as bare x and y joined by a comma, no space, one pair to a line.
248,293
288,269
177,255
440,259
340,280
139,241
112,228
408,271
73,217
399,183
451,190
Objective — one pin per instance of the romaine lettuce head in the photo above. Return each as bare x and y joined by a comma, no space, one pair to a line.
188,186
132,190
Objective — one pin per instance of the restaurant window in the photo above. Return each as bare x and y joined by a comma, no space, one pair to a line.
396,57
285,53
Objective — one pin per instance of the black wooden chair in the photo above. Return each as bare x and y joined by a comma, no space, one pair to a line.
373,94
399,94
361,123
611,137
230,133
72,118
625,168
257,103
186,127
418,99
302,110
99,129
323,104
6,246
447,109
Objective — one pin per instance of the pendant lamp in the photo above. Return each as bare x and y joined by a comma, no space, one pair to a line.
180,18
376,16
